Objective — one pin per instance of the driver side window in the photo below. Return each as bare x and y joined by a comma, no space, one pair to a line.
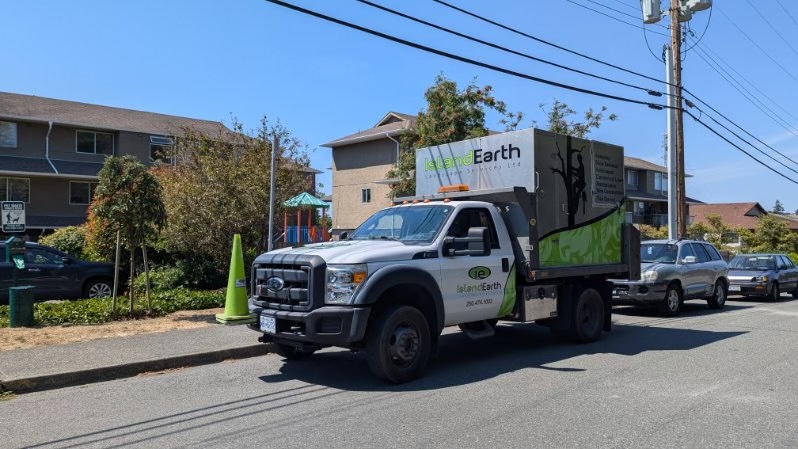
473,218
685,251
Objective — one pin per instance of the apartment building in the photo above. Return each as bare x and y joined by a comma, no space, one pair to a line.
51,151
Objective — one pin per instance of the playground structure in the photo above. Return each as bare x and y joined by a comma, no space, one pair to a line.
297,234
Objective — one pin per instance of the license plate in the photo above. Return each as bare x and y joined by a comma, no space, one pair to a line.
268,324
734,288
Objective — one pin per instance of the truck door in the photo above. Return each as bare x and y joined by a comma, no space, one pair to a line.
474,287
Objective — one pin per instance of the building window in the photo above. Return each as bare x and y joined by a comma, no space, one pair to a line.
161,149
631,179
94,142
8,134
15,189
81,192
365,195
660,182
640,208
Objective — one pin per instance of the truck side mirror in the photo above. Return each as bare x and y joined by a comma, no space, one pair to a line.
476,244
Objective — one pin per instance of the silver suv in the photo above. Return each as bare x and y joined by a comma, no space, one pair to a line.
673,271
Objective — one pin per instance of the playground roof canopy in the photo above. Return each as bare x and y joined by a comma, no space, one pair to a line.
305,200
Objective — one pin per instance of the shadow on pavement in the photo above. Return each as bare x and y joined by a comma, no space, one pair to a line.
514,347
689,309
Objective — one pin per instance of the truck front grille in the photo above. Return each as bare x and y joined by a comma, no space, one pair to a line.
288,283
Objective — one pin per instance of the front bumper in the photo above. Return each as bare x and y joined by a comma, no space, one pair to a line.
325,326
638,292
749,288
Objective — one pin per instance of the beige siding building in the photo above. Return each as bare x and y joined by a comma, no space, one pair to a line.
359,164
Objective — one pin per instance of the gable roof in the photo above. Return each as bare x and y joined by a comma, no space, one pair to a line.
733,215
392,124
71,113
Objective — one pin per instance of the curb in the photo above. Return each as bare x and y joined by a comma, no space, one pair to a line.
82,377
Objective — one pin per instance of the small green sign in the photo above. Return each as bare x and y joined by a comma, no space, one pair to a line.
479,273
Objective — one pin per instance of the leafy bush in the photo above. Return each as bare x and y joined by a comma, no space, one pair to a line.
71,240
161,278
96,311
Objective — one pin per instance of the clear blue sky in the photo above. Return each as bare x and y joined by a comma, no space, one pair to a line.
246,59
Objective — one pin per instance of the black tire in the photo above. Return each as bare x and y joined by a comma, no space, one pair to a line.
673,301
587,317
795,293
718,298
290,352
775,293
399,344
98,288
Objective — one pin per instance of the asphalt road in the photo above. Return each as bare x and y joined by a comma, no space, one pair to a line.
702,380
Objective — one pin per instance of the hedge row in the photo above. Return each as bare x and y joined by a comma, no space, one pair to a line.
96,311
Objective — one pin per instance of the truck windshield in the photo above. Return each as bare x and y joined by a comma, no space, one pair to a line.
418,224
658,252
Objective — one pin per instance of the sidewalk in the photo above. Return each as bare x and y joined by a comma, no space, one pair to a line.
57,366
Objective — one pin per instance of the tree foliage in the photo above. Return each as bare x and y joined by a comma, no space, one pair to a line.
451,115
128,201
778,208
219,186
558,120
771,235
70,239
712,231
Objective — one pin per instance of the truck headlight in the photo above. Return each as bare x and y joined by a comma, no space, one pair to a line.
649,276
343,281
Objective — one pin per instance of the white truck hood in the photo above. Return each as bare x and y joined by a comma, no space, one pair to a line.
357,251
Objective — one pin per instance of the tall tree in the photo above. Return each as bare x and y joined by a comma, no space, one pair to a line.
778,208
558,120
451,115
771,235
128,200
219,186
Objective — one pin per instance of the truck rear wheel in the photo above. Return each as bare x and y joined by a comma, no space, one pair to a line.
588,317
399,344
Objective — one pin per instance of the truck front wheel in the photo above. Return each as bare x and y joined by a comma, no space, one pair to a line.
588,317
399,344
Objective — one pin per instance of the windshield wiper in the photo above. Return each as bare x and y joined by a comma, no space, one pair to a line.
388,237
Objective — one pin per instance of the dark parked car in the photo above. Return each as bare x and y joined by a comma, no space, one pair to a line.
56,275
672,271
763,275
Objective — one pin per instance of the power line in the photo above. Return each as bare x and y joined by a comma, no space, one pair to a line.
612,17
462,58
758,46
787,12
685,90
748,95
772,27
717,57
543,41
499,47
736,146
512,73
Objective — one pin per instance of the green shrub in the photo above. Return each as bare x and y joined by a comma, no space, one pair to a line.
161,278
71,240
98,310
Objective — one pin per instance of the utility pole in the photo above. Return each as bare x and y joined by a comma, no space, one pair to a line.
272,175
676,38
680,11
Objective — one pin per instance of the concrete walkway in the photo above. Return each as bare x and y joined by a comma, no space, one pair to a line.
56,366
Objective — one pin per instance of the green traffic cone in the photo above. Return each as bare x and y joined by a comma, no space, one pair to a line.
236,310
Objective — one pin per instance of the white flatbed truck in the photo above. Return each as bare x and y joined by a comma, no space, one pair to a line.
525,226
